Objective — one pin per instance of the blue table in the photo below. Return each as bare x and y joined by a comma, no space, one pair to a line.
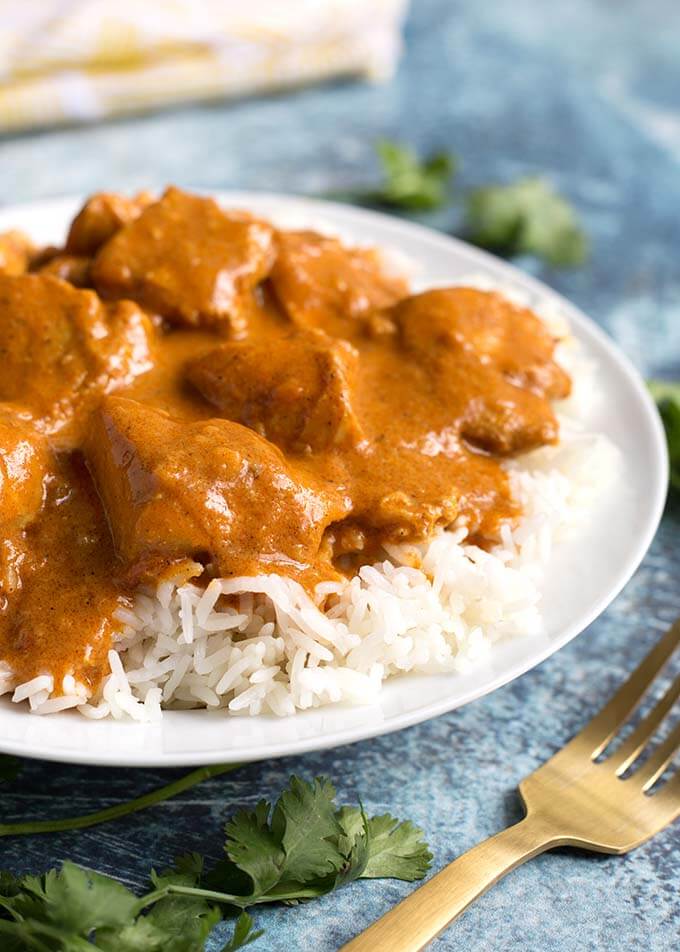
586,91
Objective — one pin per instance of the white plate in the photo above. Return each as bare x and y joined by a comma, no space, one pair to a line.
582,577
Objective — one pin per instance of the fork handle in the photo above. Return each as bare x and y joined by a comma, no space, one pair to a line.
419,918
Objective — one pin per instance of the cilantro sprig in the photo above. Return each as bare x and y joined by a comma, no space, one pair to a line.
667,396
526,217
74,909
302,847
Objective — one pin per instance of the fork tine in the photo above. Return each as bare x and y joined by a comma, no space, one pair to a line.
652,768
597,734
631,749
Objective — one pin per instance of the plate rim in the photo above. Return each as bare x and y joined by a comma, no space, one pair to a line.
398,721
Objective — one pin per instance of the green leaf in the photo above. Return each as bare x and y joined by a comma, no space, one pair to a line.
395,850
351,819
10,888
140,936
665,390
12,939
10,885
187,871
667,396
185,922
354,844
526,217
74,907
305,824
10,768
243,934
76,899
183,932
226,877
254,848
411,183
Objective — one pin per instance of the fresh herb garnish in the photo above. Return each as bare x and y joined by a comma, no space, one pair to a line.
412,183
667,396
526,217
74,909
301,848
305,846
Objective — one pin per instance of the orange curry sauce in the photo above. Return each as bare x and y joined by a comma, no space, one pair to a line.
186,391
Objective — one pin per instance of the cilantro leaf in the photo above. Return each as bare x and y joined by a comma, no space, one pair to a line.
353,843
526,217
10,885
667,396
140,936
304,820
254,848
184,922
10,767
63,909
408,183
180,923
310,847
243,933
395,850
75,908
187,871
76,899
411,183
292,855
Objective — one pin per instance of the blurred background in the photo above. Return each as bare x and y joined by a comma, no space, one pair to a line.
295,96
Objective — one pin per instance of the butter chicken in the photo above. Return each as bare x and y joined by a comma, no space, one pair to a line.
187,392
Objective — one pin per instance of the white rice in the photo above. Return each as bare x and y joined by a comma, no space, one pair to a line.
272,649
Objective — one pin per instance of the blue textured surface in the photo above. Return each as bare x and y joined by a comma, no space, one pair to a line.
589,93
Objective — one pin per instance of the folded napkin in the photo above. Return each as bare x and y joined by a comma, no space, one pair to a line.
85,59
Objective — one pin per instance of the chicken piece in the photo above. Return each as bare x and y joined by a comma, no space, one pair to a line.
510,339
213,492
490,363
322,284
61,348
100,218
72,268
16,250
296,394
188,260
509,421
24,459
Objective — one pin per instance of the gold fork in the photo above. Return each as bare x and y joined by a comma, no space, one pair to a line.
572,800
